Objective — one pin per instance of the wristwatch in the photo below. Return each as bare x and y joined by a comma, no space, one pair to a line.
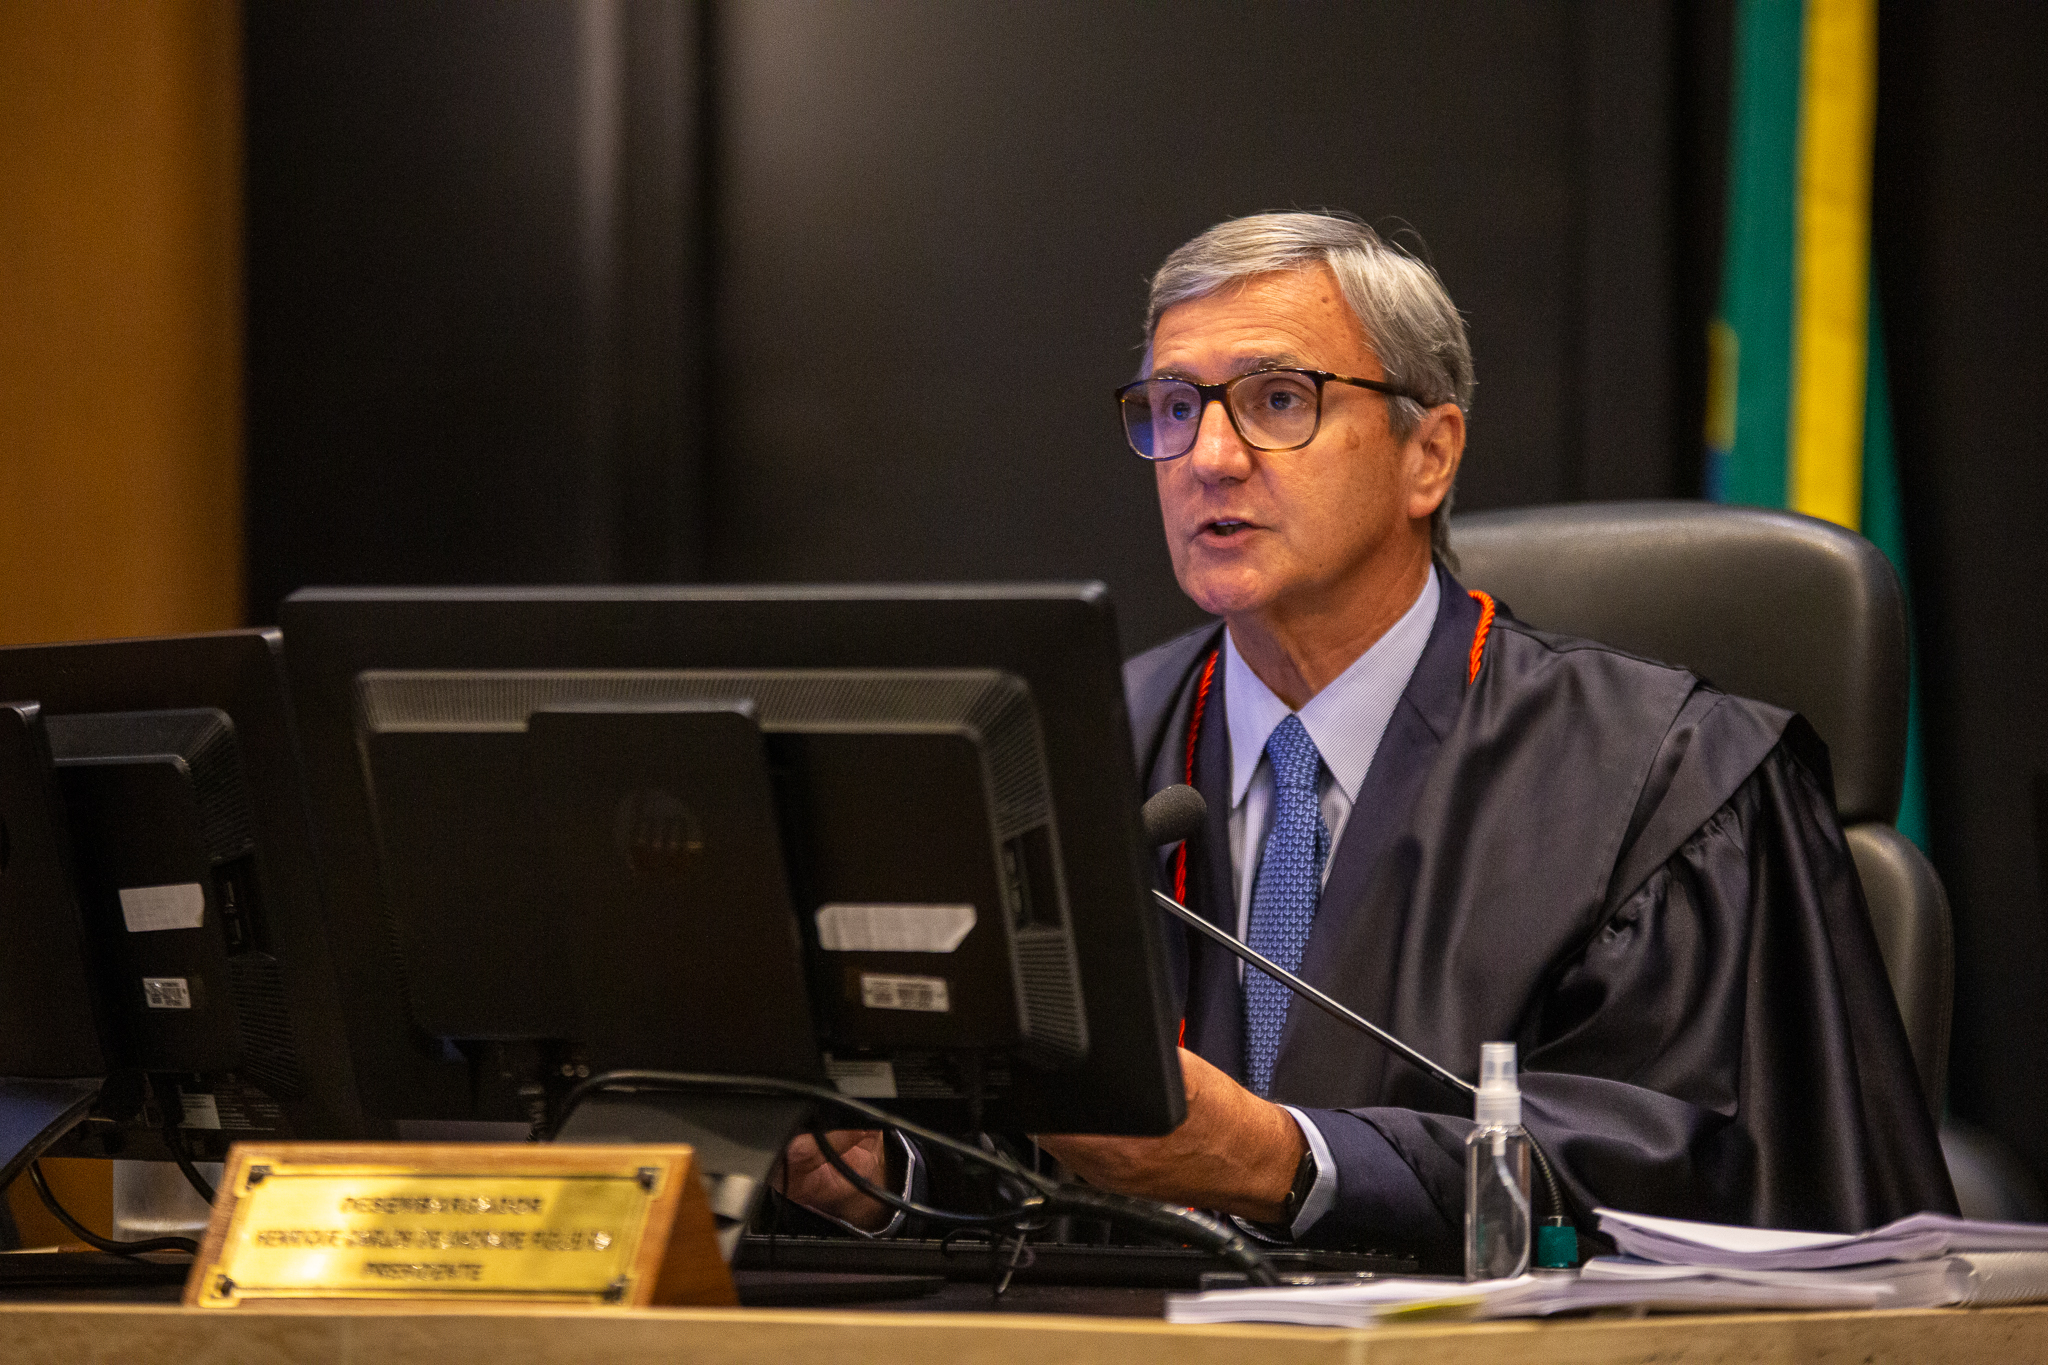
1305,1174
1299,1192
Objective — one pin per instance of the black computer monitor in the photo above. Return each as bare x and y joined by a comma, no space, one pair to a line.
888,835
56,1018
160,916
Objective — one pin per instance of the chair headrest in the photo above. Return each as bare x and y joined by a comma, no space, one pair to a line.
1761,603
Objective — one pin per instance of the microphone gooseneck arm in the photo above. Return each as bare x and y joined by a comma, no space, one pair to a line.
1309,993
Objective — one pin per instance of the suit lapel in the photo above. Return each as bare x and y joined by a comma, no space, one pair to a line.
1359,919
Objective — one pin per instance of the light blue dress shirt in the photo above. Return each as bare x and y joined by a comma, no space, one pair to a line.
1346,720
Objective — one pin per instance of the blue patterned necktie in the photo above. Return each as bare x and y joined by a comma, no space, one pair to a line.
1284,896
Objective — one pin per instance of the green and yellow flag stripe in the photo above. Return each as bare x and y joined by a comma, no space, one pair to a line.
1831,273
1798,411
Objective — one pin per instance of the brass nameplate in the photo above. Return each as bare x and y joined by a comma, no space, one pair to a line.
594,1224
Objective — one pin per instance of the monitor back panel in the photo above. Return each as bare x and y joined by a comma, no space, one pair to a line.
285,971
1059,639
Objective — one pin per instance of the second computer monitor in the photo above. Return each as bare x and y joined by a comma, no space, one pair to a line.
160,912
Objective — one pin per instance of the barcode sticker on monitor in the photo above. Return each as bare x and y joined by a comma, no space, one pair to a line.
893,928
862,1078
148,909
166,993
924,993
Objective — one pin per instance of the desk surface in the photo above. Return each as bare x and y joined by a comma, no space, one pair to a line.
357,1334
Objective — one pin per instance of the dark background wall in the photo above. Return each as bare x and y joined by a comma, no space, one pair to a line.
889,260
617,290
475,283
1962,255
935,222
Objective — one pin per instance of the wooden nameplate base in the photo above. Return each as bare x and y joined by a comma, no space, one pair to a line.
460,1222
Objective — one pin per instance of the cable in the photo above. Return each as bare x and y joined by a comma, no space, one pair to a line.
1022,1258
1557,1204
1184,1225
910,1206
93,1239
770,1085
1181,1225
773,1085
174,1138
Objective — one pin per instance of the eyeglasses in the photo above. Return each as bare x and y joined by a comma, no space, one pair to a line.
1279,409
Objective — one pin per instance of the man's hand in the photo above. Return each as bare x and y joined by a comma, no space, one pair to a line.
1235,1152
808,1178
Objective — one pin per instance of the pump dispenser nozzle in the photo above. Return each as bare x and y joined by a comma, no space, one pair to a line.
1499,1101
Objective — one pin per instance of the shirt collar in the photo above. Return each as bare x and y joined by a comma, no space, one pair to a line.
1347,718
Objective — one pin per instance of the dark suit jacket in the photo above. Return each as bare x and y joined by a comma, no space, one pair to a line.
1637,879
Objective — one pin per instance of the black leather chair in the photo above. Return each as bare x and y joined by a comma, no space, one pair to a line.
1764,604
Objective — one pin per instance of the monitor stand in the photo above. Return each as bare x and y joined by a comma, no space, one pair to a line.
154,1199
737,1139
35,1113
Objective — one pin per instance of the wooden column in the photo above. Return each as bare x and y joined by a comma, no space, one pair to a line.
120,319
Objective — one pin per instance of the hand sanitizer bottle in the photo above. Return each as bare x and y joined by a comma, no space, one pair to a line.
1497,1218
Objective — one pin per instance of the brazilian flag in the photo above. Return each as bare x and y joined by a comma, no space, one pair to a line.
1798,413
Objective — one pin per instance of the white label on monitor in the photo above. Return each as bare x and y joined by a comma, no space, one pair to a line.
166,993
147,909
862,1078
201,1111
898,928
926,994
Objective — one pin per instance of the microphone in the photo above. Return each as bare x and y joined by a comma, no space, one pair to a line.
1172,814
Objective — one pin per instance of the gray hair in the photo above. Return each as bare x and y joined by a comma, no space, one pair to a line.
1409,319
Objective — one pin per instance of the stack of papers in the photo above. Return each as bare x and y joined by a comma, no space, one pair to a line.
1972,1278
1373,1302
1333,1305
1920,1237
1671,1265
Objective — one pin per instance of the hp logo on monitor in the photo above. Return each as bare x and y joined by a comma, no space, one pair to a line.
658,834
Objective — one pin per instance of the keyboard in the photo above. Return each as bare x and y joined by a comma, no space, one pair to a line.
1064,1263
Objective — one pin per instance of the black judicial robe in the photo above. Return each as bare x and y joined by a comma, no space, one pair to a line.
1637,879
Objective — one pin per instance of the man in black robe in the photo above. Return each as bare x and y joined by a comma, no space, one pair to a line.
1637,879
1462,828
